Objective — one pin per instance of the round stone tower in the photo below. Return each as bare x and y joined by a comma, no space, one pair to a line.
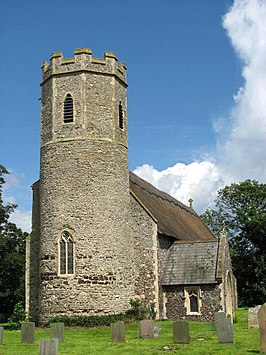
85,243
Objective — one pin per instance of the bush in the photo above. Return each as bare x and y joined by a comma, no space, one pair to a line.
137,312
11,326
18,316
140,311
91,321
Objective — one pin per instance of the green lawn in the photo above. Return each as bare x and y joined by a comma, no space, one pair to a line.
85,341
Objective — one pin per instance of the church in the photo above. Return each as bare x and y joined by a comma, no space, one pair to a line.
101,236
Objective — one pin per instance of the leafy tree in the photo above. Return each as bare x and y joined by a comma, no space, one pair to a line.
242,207
12,258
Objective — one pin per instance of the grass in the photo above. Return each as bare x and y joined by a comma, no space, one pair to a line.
83,341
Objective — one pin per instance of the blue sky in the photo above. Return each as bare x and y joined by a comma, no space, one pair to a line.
185,69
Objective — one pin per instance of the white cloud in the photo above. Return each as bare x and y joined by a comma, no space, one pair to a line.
244,149
15,191
11,181
198,180
22,219
241,141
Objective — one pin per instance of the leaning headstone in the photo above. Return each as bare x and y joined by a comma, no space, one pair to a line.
262,326
27,332
146,328
48,347
181,332
118,332
253,317
1,335
224,329
57,331
218,316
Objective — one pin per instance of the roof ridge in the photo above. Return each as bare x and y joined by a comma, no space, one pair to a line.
161,194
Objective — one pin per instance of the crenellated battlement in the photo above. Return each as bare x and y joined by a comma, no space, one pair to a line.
82,62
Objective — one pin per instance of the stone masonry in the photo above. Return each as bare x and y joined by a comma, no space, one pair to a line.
83,189
144,229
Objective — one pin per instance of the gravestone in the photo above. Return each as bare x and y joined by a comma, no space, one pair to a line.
48,347
253,317
1,335
262,326
146,328
157,331
118,332
218,316
181,332
27,332
57,331
224,329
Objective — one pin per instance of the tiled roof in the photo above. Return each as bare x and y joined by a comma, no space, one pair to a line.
191,263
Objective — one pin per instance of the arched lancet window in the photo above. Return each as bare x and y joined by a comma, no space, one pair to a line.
193,301
66,254
121,116
194,304
68,109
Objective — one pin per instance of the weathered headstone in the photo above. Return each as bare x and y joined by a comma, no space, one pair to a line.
218,316
146,328
27,332
181,332
44,345
262,326
57,331
224,329
157,331
1,335
253,317
48,347
118,332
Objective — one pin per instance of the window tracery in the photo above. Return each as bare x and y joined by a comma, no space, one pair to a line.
66,254
192,300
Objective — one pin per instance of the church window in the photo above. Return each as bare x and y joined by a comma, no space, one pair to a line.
194,304
68,109
66,254
121,116
193,300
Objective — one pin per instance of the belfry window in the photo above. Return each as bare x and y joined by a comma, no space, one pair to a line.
121,116
66,254
193,300
68,109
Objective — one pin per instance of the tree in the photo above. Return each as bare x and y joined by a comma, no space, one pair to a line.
12,258
242,207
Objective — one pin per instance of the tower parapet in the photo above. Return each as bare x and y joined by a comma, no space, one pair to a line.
84,62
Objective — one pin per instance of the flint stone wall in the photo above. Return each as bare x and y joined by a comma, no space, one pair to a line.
73,200
164,244
176,303
145,253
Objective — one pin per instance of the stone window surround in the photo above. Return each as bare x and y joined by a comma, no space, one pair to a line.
68,95
71,233
197,291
